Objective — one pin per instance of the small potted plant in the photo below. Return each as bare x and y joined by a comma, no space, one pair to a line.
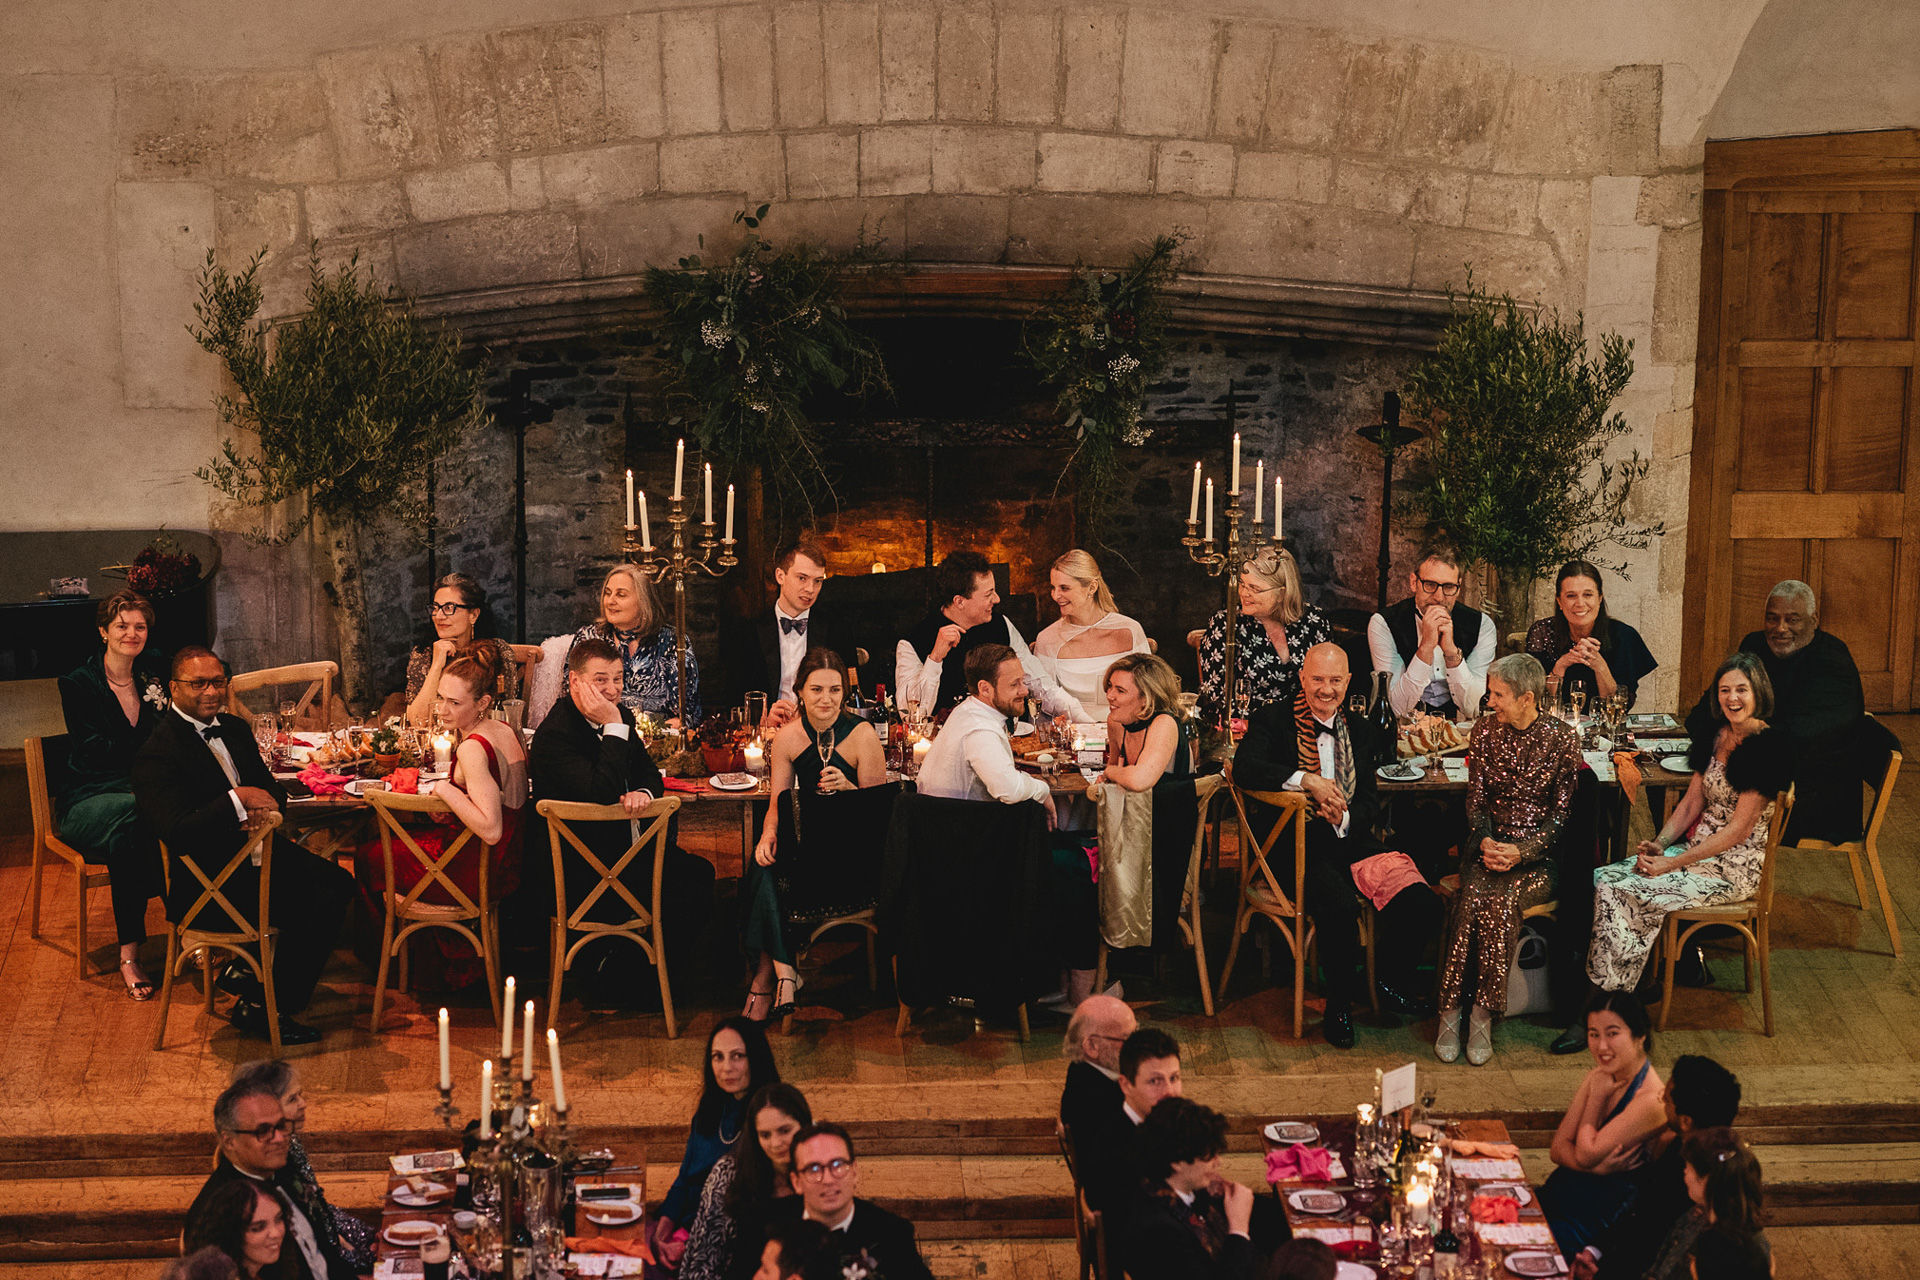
386,749
718,750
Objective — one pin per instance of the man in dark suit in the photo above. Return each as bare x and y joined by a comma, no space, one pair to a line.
1188,1223
254,1136
1107,1142
1091,1100
764,654
203,789
1314,746
588,750
828,1181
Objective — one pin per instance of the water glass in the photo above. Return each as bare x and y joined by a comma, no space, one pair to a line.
1553,696
265,729
755,705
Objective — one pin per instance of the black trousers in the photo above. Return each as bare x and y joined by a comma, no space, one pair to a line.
306,903
1575,855
1402,929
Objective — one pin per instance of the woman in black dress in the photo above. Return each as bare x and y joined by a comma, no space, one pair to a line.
822,751
1588,651
1144,742
725,1242
111,702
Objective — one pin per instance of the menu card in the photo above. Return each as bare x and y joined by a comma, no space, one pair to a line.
1396,1089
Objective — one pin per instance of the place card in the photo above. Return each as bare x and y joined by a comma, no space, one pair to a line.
1456,769
605,1264
1601,763
426,1162
399,1267
1512,1235
1396,1089
1333,1234
1487,1170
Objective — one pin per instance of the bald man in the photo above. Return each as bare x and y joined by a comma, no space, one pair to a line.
1313,745
1091,1101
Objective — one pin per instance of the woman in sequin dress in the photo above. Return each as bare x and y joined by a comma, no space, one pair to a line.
1737,771
630,621
1524,765
1273,631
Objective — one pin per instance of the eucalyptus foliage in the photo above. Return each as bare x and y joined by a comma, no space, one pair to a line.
1517,412
753,336
1100,344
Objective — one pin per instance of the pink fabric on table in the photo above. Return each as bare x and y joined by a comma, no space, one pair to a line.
404,781
322,783
1383,875
1494,1209
1299,1164
682,784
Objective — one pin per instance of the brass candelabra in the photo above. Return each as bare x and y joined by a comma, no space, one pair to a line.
677,562
1223,560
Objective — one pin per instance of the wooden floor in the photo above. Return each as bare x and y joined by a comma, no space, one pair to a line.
75,1055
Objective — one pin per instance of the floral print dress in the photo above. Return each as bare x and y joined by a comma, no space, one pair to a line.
1261,672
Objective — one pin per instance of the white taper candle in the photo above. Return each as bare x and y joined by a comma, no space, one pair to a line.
709,485
729,533
486,1096
646,534
553,1057
1193,507
679,465
1259,490
1277,483
629,497
506,1024
1233,477
526,1044
446,1054
1209,510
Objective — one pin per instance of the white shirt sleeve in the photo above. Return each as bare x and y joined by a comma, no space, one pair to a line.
614,729
991,756
1296,780
239,809
914,680
1053,699
1405,688
1468,681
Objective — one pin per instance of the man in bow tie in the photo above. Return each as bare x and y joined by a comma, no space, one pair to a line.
201,785
764,655
1188,1223
1313,745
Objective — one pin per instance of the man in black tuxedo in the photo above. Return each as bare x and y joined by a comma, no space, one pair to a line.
764,654
828,1181
588,750
203,789
1188,1223
254,1136
1336,773
1091,1101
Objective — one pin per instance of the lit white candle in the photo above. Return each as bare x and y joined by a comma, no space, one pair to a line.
920,750
709,484
442,752
1418,1197
1259,490
729,533
446,1054
646,534
553,1057
1233,477
1277,483
756,758
1209,510
486,1095
1193,508
629,497
506,1024
679,464
526,1044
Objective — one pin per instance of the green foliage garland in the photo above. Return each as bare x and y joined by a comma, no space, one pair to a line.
1101,343
1518,422
751,338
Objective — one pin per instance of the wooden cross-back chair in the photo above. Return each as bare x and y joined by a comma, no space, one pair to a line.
405,914
1750,918
526,657
1089,1225
317,676
193,937
45,757
1868,847
1264,893
1189,919
644,927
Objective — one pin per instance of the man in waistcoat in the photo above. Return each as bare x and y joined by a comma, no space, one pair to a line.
1434,650
930,663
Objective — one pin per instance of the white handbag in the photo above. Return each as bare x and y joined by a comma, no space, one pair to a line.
1527,987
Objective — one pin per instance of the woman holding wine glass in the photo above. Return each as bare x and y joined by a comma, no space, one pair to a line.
825,749
1590,655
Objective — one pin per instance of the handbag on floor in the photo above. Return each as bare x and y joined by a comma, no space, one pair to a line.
1527,987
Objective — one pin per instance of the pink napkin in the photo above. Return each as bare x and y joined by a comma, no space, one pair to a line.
1494,1209
1299,1164
1383,875
682,784
322,783
405,781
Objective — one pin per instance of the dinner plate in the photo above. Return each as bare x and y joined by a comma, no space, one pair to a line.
1405,771
406,1195
1534,1262
1317,1201
1021,729
1292,1131
1675,764
410,1234
610,1213
1518,1190
733,781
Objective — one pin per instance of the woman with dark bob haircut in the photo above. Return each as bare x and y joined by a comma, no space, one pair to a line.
462,624
738,1199
739,1062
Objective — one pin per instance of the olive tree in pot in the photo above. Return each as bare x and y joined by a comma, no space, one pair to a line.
348,403
1515,470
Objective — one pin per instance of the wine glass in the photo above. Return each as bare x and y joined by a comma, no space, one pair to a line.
264,731
289,712
1553,695
755,705
1579,697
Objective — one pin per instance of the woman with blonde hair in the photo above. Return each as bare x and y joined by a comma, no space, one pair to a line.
630,621
1274,628
1144,742
1077,649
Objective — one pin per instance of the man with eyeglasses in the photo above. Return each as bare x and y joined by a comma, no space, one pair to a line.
1434,650
828,1182
1090,1103
204,791
254,1135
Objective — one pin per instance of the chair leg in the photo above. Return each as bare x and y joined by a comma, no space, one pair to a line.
1668,946
1886,899
556,965
80,920
1026,1032
273,1001
1763,943
1859,877
206,975
1100,971
166,986
1746,963
660,966
1233,950
1373,983
906,1015
490,957
386,957
39,862
406,953
1299,983
1200,962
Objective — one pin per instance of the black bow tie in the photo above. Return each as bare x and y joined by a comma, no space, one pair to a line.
788,626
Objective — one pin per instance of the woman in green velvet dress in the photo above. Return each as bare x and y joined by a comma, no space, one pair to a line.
111,702
822,751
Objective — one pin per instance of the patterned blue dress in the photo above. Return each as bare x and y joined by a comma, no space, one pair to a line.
649,684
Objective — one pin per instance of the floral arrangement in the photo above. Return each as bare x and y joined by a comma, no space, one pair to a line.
1101,343
751,338
163,568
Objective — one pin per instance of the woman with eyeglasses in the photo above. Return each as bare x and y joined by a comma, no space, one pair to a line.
1584,649
630,621
739,1194
462,625
111,702
1274,628
739,1063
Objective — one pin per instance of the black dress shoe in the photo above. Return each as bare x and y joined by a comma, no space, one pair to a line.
1392,1001
1337,1026
1572,1040
238,980
252,1019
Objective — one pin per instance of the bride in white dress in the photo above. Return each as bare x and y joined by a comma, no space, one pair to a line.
1078,649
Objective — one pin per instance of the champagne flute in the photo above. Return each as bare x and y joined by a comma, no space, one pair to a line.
824,745
264,731
1553,695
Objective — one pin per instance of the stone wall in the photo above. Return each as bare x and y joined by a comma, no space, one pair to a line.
484,162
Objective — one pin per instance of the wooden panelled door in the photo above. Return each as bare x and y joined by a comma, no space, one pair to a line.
1805,462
